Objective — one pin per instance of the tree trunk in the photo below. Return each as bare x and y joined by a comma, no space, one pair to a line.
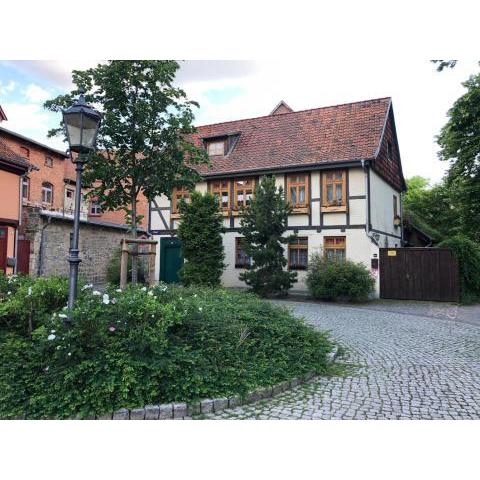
135,246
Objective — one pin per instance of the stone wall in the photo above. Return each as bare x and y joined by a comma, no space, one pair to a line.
49,237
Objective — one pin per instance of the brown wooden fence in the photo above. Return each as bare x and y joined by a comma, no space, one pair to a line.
419,274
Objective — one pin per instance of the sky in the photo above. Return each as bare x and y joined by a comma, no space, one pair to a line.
232,89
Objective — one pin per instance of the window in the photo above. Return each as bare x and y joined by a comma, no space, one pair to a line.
25,188
389,150
297,189
242,260
95,208
25,152
69,193
216,148
334,248
49,162
221,189
243,192
47,193
334,188
179,194
298,254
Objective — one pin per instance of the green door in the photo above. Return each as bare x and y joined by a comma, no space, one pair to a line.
171,259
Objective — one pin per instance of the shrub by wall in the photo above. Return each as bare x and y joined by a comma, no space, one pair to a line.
467,253
346,281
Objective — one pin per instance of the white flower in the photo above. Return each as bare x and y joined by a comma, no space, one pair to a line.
105,299
118,290
150,293
62,315
52,331
89,285
144,289
9,293
46,369
194,295
29,291
69,354
51,337
200,309
114,301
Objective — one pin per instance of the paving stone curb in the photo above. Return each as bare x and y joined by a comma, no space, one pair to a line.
182,411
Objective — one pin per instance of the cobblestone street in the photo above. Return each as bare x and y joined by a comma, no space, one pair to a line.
408,367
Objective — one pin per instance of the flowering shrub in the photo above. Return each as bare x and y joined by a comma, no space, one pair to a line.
144,346
29,301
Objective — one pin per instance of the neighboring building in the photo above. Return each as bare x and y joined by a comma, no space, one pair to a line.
339,166
13,168
52,186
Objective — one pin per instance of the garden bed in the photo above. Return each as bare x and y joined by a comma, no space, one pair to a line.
143,347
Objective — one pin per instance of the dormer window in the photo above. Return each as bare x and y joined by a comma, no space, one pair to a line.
216,148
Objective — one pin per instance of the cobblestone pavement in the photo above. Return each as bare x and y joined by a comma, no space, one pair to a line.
407,367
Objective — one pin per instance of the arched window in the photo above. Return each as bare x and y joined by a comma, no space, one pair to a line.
47,193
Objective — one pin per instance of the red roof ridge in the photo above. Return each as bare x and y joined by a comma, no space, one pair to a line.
295,112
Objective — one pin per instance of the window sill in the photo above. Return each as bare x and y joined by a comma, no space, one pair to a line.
297,267
300,210
94,214
334,208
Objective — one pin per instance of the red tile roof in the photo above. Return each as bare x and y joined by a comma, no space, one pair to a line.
8,156
306,138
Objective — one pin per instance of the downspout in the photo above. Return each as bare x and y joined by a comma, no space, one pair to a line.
20,203
40,252
402,242
367,202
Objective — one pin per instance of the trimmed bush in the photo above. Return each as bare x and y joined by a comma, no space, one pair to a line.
149,346
200,232
113,269
467,253
345,281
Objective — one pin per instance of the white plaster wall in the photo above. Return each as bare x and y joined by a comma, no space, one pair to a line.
331,219
356,181
381,204
357,210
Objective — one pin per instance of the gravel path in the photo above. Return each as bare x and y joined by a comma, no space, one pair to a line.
408,367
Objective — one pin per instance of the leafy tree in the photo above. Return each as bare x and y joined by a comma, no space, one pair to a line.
263,226
143,140
444,64
200,232
459,141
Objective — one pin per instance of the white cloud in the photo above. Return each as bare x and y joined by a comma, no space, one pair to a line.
31,120
8,88
36,94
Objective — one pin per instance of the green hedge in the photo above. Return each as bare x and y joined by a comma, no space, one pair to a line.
149,346
467,253
345,281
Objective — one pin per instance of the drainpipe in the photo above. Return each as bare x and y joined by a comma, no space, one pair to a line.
40,252
367,202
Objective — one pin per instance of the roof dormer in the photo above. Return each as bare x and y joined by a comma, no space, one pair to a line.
221,145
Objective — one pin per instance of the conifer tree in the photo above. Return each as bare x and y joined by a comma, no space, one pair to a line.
200,231
263,226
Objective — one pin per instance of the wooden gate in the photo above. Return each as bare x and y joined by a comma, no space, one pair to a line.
419,274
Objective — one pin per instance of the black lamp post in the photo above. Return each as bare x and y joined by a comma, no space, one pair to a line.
81,125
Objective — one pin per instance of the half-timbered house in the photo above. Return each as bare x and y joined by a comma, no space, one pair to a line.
341,171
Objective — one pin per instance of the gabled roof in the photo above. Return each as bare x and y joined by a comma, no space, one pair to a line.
341,133
33,142
2,114
281,107
11,161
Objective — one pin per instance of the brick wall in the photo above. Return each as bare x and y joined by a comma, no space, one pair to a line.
50,240
53,175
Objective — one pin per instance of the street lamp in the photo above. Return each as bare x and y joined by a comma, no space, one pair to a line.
81,126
